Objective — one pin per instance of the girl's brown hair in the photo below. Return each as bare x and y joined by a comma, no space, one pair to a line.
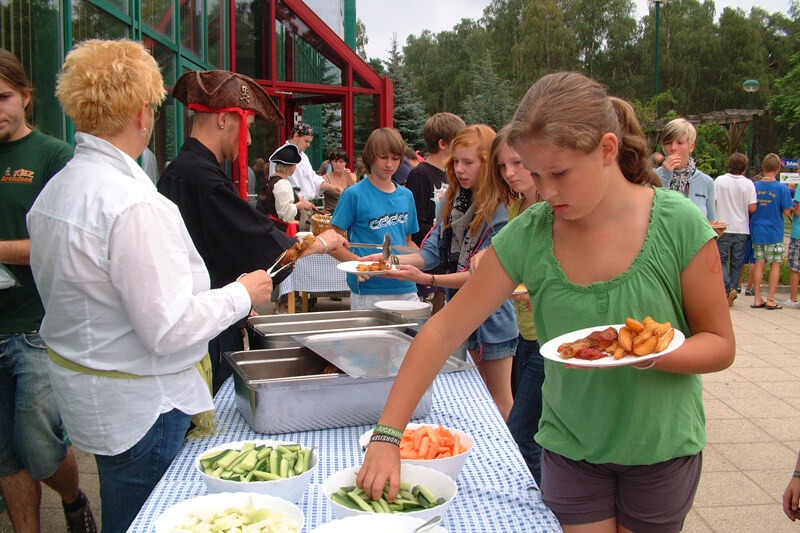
486,196
495,177
567,110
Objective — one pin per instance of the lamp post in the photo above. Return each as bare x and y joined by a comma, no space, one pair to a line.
750,87
657,58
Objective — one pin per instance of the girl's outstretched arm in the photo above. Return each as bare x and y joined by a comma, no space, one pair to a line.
485,291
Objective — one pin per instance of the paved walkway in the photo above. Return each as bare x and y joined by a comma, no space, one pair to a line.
753,411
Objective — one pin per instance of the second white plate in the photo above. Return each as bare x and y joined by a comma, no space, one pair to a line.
549,350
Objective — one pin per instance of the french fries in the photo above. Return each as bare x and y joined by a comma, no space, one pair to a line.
643,338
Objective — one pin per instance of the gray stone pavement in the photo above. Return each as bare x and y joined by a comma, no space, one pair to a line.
753,412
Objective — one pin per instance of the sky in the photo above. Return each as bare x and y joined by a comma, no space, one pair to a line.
402,18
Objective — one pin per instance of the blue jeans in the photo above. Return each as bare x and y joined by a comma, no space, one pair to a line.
31,433
732,251
127,479
523,421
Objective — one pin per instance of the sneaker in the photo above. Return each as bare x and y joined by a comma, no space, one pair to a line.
749,292
80,520
791,303
731,297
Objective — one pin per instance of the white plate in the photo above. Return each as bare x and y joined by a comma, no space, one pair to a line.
350,267
521,289
549,350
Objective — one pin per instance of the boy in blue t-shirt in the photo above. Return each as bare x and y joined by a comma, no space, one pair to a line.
372,208
766,229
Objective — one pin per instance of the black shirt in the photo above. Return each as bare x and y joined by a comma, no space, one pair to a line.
422,181
232,237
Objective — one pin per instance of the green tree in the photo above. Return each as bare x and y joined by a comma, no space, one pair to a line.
784,104
361,39
440,66
409,111
490,103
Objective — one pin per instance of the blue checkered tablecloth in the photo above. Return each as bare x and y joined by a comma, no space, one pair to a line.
315,273
496,492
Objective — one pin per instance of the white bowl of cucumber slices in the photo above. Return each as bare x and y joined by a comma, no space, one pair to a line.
276,468
228,510
424,493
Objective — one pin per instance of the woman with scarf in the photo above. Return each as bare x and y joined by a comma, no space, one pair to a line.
678,170
469,216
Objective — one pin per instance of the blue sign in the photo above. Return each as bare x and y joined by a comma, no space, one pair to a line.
790,163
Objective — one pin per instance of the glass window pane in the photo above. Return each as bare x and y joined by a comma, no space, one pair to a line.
216,34
192,26
90,22
365,120
122,5
250,49
165,133
160,16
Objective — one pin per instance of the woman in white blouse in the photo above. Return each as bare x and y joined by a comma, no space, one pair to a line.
128,308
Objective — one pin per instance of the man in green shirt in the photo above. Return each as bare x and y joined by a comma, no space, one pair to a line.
32,442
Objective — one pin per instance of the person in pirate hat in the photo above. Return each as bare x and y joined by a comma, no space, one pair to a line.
280,201
231,236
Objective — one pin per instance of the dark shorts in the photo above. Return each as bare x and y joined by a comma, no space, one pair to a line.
653,498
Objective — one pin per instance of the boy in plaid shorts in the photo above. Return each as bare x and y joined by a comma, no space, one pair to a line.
766,225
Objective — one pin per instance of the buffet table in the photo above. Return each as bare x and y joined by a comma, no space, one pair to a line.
315,273
496,492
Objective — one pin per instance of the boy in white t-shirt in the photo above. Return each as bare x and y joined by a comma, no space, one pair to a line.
735,200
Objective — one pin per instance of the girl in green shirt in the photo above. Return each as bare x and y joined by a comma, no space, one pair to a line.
621,446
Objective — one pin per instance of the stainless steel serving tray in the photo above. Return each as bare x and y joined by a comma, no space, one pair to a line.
279,331
372,354
286,389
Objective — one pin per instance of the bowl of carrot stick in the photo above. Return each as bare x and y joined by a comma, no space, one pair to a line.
432,445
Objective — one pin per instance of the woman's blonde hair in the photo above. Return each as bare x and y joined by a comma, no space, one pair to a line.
567,110
486,196
104,83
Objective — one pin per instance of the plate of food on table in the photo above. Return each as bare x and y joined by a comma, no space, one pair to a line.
615,344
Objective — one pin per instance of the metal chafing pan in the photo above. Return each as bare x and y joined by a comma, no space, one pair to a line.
284,390
279,331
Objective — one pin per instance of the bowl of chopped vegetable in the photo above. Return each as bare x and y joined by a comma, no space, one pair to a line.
432,445
224,511
424,493
270,467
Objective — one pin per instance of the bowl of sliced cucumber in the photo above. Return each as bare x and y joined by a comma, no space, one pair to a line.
276,468
424,493
231,510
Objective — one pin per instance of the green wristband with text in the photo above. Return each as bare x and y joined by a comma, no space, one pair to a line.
380,429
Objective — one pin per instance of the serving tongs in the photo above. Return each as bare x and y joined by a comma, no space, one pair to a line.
271,271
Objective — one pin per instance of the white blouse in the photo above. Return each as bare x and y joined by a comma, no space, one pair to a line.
124,289
284,200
